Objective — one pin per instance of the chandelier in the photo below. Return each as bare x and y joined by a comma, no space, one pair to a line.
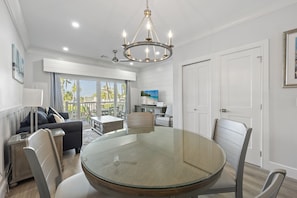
150,49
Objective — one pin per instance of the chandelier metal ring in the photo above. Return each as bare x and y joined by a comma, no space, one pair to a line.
167,48
150,49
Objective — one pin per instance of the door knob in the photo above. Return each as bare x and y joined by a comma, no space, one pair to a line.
223,110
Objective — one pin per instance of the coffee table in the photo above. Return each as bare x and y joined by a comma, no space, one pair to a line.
104,124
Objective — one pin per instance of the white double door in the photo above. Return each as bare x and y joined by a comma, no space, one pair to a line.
234,92
197,98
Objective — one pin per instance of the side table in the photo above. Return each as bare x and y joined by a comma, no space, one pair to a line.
20,168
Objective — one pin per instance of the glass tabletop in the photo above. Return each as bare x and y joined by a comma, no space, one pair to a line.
161,159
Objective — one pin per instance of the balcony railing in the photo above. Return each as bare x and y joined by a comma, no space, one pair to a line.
89,109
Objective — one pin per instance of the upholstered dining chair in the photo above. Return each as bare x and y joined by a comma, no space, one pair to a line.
233,137
272,184
45,165
140,122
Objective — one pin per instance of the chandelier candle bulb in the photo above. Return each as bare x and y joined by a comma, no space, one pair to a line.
124,36
170,38
147,52
148,26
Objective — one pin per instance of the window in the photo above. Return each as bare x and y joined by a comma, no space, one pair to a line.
87,97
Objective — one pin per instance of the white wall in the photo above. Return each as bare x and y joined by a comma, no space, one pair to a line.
158,77
10,89
282,140
37,78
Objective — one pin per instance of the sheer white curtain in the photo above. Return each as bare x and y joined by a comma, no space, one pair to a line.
56,100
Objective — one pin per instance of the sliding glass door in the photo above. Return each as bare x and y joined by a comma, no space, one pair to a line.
107,97
84,98
113,98
88,99
69,97
120,103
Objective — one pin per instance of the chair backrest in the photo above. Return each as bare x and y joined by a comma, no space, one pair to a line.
140,122
233,137
44,161
272,184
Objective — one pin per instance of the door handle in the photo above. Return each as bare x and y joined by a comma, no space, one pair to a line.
223,110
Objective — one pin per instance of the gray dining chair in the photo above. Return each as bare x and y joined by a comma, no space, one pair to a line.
233,137
42,155
272,184
140,122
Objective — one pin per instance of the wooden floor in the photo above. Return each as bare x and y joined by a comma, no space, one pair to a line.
254,178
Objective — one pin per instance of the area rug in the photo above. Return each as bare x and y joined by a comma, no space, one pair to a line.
88,136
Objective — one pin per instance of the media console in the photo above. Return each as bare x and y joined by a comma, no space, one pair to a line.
150,108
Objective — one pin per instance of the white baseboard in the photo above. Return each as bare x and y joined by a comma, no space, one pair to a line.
291,171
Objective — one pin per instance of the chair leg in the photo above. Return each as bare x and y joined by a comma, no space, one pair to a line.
238,194
77,150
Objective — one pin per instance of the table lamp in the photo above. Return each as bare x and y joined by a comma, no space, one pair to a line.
33,98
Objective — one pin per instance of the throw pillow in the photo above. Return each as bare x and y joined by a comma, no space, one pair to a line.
55,112
42,119
26,121
42,109
52,110
58,118
51,118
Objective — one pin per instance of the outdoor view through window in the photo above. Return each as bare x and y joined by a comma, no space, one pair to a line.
86,98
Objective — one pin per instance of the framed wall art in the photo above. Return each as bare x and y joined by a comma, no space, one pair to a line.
17,65
290,69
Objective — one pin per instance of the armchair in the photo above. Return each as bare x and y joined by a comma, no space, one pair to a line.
165,119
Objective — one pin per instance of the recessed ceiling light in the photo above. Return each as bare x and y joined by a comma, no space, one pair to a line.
75,24
131,63
66,49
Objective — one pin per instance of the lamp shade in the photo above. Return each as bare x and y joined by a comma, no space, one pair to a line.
32,97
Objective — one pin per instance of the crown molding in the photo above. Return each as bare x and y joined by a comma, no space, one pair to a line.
17,18
256,15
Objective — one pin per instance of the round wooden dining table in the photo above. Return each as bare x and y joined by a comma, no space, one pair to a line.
162,162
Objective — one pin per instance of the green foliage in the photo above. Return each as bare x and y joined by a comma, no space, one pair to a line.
69,92
68,96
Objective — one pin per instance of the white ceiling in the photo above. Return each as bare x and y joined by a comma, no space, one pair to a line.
48,22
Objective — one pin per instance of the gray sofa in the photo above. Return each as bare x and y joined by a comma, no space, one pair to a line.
73,131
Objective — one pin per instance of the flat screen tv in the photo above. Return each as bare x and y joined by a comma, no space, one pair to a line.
149,97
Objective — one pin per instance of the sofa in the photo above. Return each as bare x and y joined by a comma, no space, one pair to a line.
73,128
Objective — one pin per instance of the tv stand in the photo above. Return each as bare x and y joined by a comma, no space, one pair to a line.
150,108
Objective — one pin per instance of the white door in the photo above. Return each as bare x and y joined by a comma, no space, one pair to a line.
240,94
196,98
